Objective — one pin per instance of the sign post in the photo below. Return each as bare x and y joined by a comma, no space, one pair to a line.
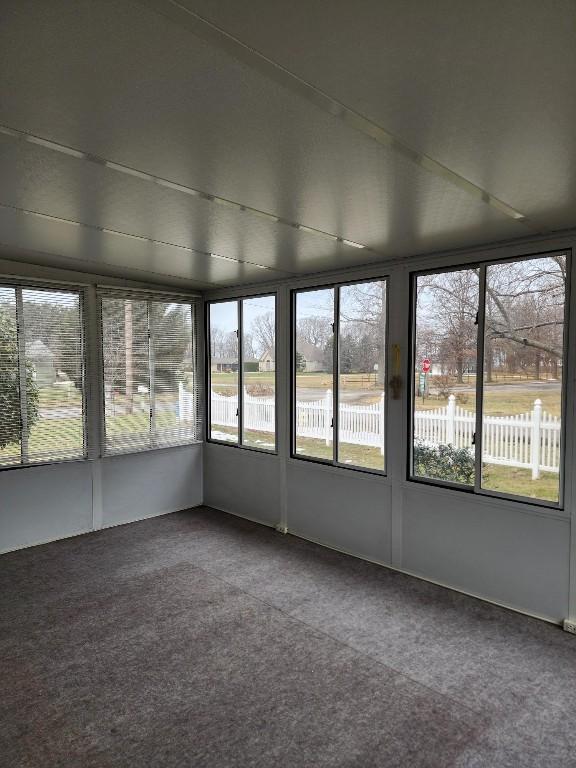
426,365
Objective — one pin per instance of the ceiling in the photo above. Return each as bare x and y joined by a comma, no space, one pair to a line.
211,143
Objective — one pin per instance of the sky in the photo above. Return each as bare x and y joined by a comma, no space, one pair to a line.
224,315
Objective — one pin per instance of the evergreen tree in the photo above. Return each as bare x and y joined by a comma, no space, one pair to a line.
10,420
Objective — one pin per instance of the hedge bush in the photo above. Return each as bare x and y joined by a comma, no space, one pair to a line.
444,462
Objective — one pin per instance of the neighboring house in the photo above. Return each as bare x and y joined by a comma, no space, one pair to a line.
267,361
223,365
230,364
314,357
43,361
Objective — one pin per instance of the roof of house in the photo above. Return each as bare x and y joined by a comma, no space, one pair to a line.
310,352
231,360
38,350
268,354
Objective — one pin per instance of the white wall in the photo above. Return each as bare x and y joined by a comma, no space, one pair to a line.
515,554
41,504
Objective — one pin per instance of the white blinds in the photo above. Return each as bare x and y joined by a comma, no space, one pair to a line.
151,386
41,375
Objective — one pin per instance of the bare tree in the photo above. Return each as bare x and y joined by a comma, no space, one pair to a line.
449,302
264,332
315,330
524,310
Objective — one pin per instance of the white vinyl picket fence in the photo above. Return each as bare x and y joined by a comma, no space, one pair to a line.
530,440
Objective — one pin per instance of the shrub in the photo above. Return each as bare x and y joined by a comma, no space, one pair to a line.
443,386
260,390
10,385
444,462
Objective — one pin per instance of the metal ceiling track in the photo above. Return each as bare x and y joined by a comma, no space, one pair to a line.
215,35
79,154
149,240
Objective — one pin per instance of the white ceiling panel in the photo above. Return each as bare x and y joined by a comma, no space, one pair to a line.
143,261
486,88
123,83
413,214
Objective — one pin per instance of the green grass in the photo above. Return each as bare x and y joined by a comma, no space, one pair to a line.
519,482
59,397
47,435
498,403
65,435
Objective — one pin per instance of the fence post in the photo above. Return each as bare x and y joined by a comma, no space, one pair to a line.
328,415
180,406
451,418
535,441
382,431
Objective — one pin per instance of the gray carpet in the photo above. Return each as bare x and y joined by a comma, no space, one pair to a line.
198,639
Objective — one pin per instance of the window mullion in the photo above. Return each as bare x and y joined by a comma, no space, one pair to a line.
335,376
240,332
21,340
480,377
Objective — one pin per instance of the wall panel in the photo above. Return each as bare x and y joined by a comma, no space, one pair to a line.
39,504
490,549
340,508
243,482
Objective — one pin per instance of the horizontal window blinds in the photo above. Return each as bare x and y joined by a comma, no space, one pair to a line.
41,375
151,386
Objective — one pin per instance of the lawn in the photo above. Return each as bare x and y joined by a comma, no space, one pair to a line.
224,382
515,400
65,435
49,436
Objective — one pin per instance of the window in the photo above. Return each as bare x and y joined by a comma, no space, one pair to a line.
488,385
150,373
41,375
339,363
242,372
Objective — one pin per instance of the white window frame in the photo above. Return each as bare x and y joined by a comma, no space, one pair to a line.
19,285
208,367
335,373
194,303
476,489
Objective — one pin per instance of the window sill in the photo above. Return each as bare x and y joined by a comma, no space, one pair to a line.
340,469
486,500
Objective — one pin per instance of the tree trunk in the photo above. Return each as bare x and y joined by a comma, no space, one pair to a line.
460,371
488,361
381,375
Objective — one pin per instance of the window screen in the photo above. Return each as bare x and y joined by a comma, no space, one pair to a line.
41,375
150,373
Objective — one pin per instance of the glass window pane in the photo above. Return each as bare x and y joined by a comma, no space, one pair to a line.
10,444
362,374
54,372
523,377
314,367
223,326
125,346
174,384
259,364
444,386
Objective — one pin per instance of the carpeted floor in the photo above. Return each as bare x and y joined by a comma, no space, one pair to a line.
199,639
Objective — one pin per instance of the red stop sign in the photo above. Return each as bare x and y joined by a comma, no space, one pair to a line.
426,365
